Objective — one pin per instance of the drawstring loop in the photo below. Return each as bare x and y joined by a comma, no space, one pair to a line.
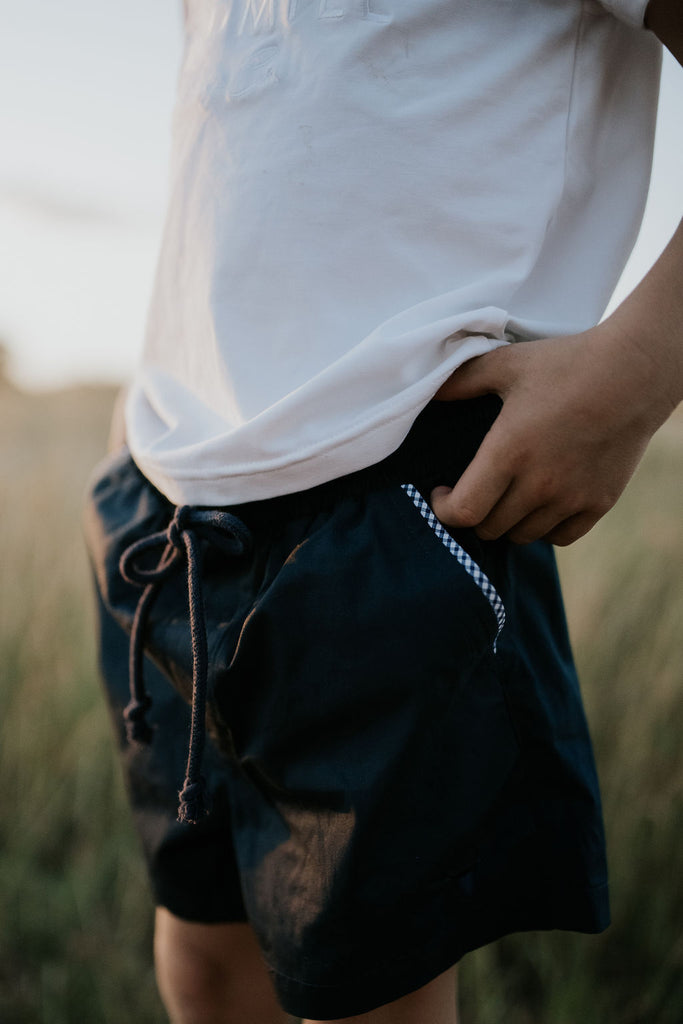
181,544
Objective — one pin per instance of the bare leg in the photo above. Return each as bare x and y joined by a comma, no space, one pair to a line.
212,973
435,1003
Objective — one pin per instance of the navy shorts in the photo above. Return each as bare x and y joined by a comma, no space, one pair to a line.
396,754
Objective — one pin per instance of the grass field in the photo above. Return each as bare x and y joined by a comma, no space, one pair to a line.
75,917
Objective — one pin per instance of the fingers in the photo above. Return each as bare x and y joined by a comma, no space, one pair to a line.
482,375
520,521
513,514
515,518
572,528
476,493
547,523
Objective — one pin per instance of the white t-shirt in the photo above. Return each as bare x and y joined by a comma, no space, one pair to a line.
364,194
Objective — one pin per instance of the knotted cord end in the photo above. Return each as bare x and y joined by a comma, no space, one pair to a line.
138,729
194,802
181,541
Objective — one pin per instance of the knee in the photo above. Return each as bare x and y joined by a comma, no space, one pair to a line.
212,974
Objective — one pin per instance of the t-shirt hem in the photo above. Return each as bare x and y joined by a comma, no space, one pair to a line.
370,439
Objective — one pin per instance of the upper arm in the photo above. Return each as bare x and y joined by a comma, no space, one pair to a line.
665,19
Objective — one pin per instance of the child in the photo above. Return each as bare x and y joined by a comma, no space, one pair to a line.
336,592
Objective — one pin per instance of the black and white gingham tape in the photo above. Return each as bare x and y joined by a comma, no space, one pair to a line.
466,561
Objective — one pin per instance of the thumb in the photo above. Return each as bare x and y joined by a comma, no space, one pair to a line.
482,375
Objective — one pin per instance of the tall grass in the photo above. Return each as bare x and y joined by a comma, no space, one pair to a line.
75,915
75,924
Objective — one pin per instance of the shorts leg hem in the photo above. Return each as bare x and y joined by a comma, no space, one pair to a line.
586,911
196,911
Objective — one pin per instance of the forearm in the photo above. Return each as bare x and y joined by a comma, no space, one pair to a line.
648,325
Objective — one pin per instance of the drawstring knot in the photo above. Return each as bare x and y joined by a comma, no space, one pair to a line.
180,543
138,729
176,528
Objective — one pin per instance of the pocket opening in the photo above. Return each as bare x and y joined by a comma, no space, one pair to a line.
471,567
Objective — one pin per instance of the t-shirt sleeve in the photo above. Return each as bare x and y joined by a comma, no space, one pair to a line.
630,11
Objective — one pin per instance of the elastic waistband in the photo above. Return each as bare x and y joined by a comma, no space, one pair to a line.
438,448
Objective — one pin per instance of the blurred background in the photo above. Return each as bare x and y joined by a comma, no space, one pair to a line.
87,91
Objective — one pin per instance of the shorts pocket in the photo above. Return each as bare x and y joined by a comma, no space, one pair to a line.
459,554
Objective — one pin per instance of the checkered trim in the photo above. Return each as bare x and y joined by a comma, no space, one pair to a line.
467,562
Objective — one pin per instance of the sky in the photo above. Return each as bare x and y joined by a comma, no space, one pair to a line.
87,92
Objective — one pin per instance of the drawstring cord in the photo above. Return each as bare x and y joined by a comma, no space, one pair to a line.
181,543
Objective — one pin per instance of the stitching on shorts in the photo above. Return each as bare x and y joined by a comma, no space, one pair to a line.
466,561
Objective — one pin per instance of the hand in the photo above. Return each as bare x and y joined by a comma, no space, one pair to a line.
578,413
